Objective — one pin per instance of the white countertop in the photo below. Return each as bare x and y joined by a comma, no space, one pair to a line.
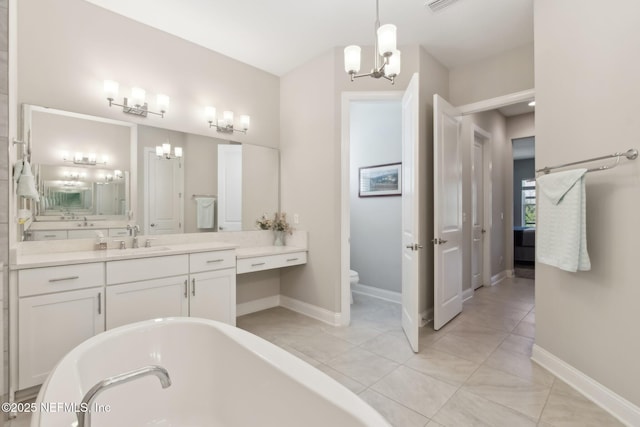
83,257
266,250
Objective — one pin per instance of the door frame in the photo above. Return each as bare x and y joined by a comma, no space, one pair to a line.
487,201
345,203
145,216
493,104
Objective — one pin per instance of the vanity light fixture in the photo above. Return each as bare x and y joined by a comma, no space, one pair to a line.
164,151
225,125
387,56
136,104
532,103
89,159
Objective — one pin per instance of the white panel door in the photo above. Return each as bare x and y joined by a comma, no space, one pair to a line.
50,326
149,299
412,221
213,295
165,178
477,214
230,187
447,196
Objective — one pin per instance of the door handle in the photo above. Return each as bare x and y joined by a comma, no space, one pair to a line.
438,241
152,225
186,292
99,302
414,247
483,231
193,287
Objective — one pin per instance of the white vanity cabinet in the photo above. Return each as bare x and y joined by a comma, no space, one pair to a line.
58,308
48,235
212,293
147,288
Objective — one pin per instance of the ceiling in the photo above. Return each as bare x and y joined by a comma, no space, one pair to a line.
279,35
517,109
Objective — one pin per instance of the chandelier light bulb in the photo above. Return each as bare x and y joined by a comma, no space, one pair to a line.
138,96
352,59
387,39
393,67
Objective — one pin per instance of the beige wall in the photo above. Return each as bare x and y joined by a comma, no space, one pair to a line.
588,99
311,162
67,48
506,73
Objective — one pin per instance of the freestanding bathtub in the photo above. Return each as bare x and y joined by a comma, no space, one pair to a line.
221,376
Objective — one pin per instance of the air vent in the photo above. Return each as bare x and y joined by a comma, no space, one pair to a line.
438,5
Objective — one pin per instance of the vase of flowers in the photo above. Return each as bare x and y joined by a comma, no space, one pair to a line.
280,227
264,223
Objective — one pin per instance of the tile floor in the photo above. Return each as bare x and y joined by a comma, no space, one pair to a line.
475,371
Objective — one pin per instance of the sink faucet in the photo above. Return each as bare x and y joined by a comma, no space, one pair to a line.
84,417
85,221
133,231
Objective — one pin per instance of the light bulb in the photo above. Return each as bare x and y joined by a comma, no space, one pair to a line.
111,89
177,151
352,59
166,149
163,102
244,122
392,69
386,39
159,150
228,118
210,114
137,96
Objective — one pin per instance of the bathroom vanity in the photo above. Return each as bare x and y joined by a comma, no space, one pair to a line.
61,297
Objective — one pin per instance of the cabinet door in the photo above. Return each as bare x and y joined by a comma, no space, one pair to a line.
149,299
51,325
213,295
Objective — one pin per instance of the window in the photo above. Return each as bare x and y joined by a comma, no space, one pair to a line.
529,202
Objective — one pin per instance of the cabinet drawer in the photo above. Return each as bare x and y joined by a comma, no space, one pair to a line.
85,233
133,270
45,280
248,265
49,235
215,260
118,232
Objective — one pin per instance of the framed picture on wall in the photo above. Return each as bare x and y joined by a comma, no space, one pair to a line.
381,180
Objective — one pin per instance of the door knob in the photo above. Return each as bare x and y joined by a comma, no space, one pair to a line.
484,231
414,247
152,225
442,242
410,247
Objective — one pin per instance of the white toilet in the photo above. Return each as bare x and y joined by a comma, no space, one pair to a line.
354,278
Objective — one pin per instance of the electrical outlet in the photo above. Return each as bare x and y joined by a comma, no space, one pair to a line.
296,218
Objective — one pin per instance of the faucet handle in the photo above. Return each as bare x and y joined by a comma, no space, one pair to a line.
147,243
123,244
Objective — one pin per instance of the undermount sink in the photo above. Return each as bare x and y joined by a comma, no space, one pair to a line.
143,249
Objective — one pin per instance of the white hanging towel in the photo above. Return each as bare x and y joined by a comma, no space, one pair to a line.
205,212
26,182
561,221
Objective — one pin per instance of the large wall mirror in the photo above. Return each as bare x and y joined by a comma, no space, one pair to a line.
91,169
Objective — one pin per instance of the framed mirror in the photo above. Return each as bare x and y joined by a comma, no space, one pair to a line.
97,168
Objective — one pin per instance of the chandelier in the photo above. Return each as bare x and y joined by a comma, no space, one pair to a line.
386,55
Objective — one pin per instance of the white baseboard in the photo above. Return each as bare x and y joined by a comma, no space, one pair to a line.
511,273
468,294
616,405
313,311
383,294
498,277
257,305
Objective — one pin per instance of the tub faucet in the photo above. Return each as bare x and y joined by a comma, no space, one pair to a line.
84,417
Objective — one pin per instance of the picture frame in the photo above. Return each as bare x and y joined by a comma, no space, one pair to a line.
380,180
